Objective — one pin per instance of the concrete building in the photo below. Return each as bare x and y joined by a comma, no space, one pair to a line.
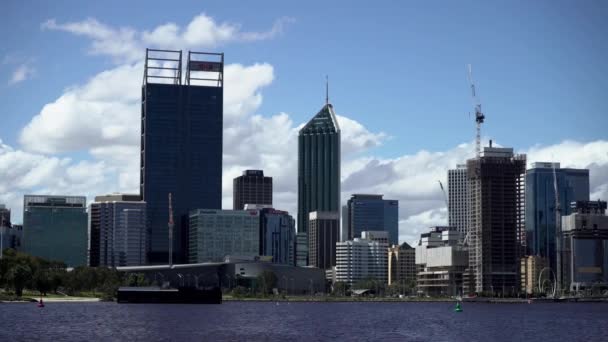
55,228
585,247
318,166
323,233
181,144
214,234
496,237
362,258
277,236
251,188
401,264
572,185
458,199
371,212
531,268
117,231
441,261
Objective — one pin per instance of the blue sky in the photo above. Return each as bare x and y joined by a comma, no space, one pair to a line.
396,68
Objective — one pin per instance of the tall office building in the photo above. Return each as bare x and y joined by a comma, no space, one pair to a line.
277,236
496,220
371,212
301,249
251,188
55,228
215,234
117,231
458,199
323,233
318,166
362,258
181,144
572,185
5,224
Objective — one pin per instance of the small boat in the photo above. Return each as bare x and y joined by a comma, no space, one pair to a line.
40,303
458,307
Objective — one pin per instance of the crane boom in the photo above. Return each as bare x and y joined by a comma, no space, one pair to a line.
445,196
558,235
479,116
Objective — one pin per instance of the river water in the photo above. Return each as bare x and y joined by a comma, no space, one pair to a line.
267,321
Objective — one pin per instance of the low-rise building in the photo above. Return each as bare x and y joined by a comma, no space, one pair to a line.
401,264
585,247
531,268
441,261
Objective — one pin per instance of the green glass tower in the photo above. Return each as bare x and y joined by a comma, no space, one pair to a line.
318,166
55,228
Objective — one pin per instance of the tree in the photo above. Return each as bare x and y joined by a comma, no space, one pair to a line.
267,280
42,281
18,276
340,288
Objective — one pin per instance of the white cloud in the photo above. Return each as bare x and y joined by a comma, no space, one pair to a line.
22,73
126,44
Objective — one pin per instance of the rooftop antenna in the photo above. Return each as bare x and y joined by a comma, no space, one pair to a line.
326,89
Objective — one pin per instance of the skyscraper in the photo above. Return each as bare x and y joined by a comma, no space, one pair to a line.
371,212
496,220
362,258
181,144
251,188
572,185
318,166
117,231
458,199
55,228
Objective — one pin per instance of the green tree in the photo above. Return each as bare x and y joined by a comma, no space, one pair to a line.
42,281
266,281
340,288
18,276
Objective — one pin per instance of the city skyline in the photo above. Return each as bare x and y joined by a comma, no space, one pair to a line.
78,134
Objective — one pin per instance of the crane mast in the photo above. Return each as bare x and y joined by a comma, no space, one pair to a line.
479,117
170,231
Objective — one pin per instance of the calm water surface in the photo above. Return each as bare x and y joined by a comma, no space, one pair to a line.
249,321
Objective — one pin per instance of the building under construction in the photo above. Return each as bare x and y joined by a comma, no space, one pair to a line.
496,190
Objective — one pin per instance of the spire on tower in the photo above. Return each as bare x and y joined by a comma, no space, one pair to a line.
326,89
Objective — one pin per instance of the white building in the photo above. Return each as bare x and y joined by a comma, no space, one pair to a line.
217,233
458,199
362,258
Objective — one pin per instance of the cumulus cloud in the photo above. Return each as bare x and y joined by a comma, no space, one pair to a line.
126,44
22,73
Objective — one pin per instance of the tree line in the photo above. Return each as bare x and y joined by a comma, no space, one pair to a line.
20,271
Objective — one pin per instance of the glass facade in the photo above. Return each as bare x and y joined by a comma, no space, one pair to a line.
572,184
277,236
371,212
55,228
215,234
318,166
181,154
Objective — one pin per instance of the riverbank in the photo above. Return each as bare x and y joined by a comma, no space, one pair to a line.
28,297
413,300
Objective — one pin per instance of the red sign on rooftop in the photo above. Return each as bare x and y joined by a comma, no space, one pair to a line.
205,66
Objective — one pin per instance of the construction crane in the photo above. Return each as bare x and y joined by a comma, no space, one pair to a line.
445,196
170,231
479,117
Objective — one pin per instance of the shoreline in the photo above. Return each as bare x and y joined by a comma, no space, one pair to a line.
419,300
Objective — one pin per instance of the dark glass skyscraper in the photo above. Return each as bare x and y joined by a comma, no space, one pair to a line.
251,188
572,185
181,144
318,166
371,212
